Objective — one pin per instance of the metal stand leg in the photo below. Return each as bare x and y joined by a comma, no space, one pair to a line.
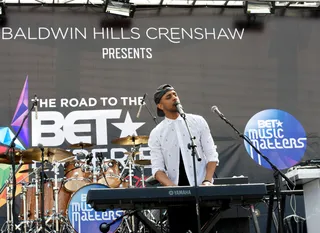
37,200
142,176
255,219
9,207
56,197
25,212
129,165
130,159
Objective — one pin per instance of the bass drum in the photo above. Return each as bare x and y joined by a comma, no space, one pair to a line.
85,219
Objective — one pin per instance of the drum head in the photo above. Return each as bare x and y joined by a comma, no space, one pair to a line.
84,219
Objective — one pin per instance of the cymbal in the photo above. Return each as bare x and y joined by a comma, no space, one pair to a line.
4,148
132,153
142,162
81,145
6,160
50,154
131,140
18,156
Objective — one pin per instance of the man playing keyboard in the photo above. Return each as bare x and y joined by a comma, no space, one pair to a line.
172,163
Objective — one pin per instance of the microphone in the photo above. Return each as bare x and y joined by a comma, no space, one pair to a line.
89,158
141,105
180,109
216,110
104,227
36,106
99,155
41,147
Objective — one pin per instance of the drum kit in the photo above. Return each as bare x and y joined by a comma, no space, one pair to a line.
64,197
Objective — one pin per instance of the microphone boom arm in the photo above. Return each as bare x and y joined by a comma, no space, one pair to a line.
276,171
14,181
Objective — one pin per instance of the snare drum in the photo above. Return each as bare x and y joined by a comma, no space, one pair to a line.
77,174
29,194
110,176
84,219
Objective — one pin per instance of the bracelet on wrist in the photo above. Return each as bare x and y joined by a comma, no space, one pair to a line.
206,181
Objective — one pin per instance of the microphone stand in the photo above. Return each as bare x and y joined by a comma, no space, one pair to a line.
11,148
100,158
276,174
194,153
153,117
43,224
150,113
107,226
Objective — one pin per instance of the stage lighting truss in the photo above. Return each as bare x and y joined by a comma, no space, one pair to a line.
258,7
2,8
121,8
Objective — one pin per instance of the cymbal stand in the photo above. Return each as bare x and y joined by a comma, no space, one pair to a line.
37,215
25,211
10,226
100,170
141,167
129,165
10,196
96,167
55,210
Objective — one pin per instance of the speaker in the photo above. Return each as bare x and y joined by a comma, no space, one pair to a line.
234,220
232,225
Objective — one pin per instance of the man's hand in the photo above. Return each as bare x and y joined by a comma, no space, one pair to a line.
206,183
163,179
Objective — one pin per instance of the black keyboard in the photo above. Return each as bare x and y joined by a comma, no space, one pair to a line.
162,197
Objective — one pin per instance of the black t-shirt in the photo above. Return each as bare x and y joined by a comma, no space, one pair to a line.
183,179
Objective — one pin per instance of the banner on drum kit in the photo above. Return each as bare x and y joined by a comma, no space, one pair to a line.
85,219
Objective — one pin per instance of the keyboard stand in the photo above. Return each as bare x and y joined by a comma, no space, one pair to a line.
212,221
150,225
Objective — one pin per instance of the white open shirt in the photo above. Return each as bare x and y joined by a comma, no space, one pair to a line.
170,135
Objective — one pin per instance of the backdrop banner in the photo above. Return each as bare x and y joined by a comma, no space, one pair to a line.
90,74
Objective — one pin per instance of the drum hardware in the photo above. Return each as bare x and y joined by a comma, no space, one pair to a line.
78,173
132,153
142,162
25,221
11,153
55,210
109,170
141,167
99,162
30,170
10,225
129,164
135,142
37,177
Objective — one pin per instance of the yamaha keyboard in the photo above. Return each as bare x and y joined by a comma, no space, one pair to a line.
162,197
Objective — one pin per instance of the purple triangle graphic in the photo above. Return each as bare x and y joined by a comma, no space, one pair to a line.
21,111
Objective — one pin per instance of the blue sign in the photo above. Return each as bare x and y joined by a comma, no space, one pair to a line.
277,135
84,219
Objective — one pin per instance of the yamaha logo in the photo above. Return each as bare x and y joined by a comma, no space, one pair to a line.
179,192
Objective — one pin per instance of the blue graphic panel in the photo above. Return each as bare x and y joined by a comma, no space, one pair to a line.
84,219
277,135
